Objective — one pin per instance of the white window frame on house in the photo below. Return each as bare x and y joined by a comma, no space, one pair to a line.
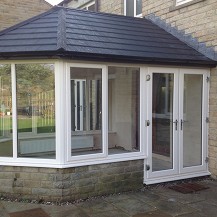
63,159
88,5
63,125
103,157
125,9
20,161
181,2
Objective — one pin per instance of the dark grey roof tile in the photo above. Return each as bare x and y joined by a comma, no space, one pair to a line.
69,32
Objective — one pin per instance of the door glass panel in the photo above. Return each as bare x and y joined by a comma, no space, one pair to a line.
86,111
192,116
162,121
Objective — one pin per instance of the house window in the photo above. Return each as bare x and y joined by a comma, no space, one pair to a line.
90,7
86,110
180,2
133,8
6,141
104,111
35,101
123,110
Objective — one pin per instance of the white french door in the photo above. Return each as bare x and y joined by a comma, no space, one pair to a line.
177,111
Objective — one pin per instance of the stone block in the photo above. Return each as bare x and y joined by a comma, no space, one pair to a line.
13,12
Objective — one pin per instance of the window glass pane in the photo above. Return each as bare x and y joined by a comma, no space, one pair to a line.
6,143
36,110
192,123
123,108
91,8
162,121
138,7
180,2
86,111
130,8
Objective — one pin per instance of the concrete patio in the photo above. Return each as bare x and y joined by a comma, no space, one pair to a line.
156,201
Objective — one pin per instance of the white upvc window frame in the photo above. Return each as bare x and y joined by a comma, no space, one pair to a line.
34,162
103,157
62,116
125,9
86,6
181,2
104,112
63,128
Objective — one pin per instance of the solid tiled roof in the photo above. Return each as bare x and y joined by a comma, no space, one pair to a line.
65,32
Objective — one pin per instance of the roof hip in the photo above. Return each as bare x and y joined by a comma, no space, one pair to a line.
61,30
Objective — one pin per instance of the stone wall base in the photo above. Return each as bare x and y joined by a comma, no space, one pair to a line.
70,184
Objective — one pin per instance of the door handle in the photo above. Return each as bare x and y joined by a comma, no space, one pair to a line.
176,124
182,122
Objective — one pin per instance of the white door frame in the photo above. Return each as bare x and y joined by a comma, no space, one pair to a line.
178,172
204,135
174,170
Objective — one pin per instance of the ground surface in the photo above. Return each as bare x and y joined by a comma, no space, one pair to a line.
158,201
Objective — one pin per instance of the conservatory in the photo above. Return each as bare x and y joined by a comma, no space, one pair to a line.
92,103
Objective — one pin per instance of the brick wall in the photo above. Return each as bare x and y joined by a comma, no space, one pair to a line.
13,12
196,20
111,6
213,124
70,184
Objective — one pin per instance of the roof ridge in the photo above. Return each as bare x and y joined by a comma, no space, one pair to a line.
28,20
61,30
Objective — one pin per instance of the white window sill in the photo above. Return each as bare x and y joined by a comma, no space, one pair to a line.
52,163
176,7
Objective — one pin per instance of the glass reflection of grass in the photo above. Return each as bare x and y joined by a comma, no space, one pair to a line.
6,149
42,125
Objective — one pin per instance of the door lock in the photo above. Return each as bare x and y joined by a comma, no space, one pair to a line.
147,167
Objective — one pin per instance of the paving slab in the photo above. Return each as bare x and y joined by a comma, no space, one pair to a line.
3,211
156,213
64,211
114,213
119,197
95,206
133,206
30,213
173,207
205,208
194,214
147,196
11,207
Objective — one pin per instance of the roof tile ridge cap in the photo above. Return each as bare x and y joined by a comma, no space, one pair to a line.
61,30
23,23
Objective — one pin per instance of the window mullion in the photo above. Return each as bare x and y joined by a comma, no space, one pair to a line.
14,109
105,109
135,6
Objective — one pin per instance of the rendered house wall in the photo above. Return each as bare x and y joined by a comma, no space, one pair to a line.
13,12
